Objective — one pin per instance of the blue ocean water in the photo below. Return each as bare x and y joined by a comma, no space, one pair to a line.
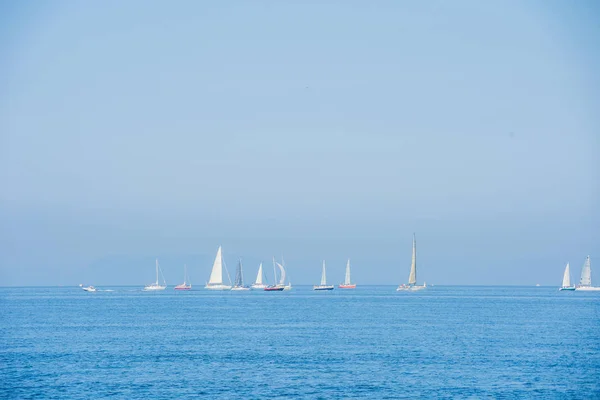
443,342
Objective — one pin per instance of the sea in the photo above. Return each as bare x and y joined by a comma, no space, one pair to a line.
444,342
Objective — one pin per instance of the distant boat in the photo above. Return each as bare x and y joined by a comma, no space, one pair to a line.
156,285
216,276
88,288
238,283
566,283
323,285
347,282
277,287
585,283
282,276
185,285
412,278
258,284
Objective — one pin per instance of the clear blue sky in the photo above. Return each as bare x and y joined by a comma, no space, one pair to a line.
139,129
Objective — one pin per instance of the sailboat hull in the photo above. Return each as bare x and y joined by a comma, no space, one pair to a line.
409,288
151,288
588,289
323,287
273,289
258,286
239,288
183,287
351,286
570,288
217,287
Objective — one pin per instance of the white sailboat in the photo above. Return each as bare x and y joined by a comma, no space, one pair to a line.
258,284
347,282
585,283
412,278
186,285
282,276
323,285
566,283
238,283
276,287
156,285
215,281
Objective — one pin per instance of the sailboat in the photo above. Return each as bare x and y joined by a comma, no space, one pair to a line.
412,278
566,283
585,283
215,281
347,283
276,287
185,285
282,275
238,283
258,284
323,285
156,285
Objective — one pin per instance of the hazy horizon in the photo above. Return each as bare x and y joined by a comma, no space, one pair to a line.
131,131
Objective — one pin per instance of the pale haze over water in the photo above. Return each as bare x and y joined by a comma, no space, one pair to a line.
136,130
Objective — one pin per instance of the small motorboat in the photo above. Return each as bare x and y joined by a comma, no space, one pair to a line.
88,288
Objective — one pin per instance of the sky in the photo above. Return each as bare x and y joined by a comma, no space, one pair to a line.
309,130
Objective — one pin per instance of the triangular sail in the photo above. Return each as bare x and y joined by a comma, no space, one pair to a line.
259,276
567,277
347,279
412,279
216,276
239,278
282,273
323,276
586,273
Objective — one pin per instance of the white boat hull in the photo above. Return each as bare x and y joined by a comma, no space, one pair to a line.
154,288
588,288
240,288
258,286
409,288
323,287
89,289
217,287
570,288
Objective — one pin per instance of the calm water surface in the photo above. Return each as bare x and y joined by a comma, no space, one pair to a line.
444,342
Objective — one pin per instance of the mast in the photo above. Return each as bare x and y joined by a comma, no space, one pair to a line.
347,279
412,279
274,273
157,272
184,274
323,275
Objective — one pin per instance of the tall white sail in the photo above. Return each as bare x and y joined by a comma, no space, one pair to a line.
282,273
412,279
216,276
323,276
586,273
347,279
567,277
259,276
